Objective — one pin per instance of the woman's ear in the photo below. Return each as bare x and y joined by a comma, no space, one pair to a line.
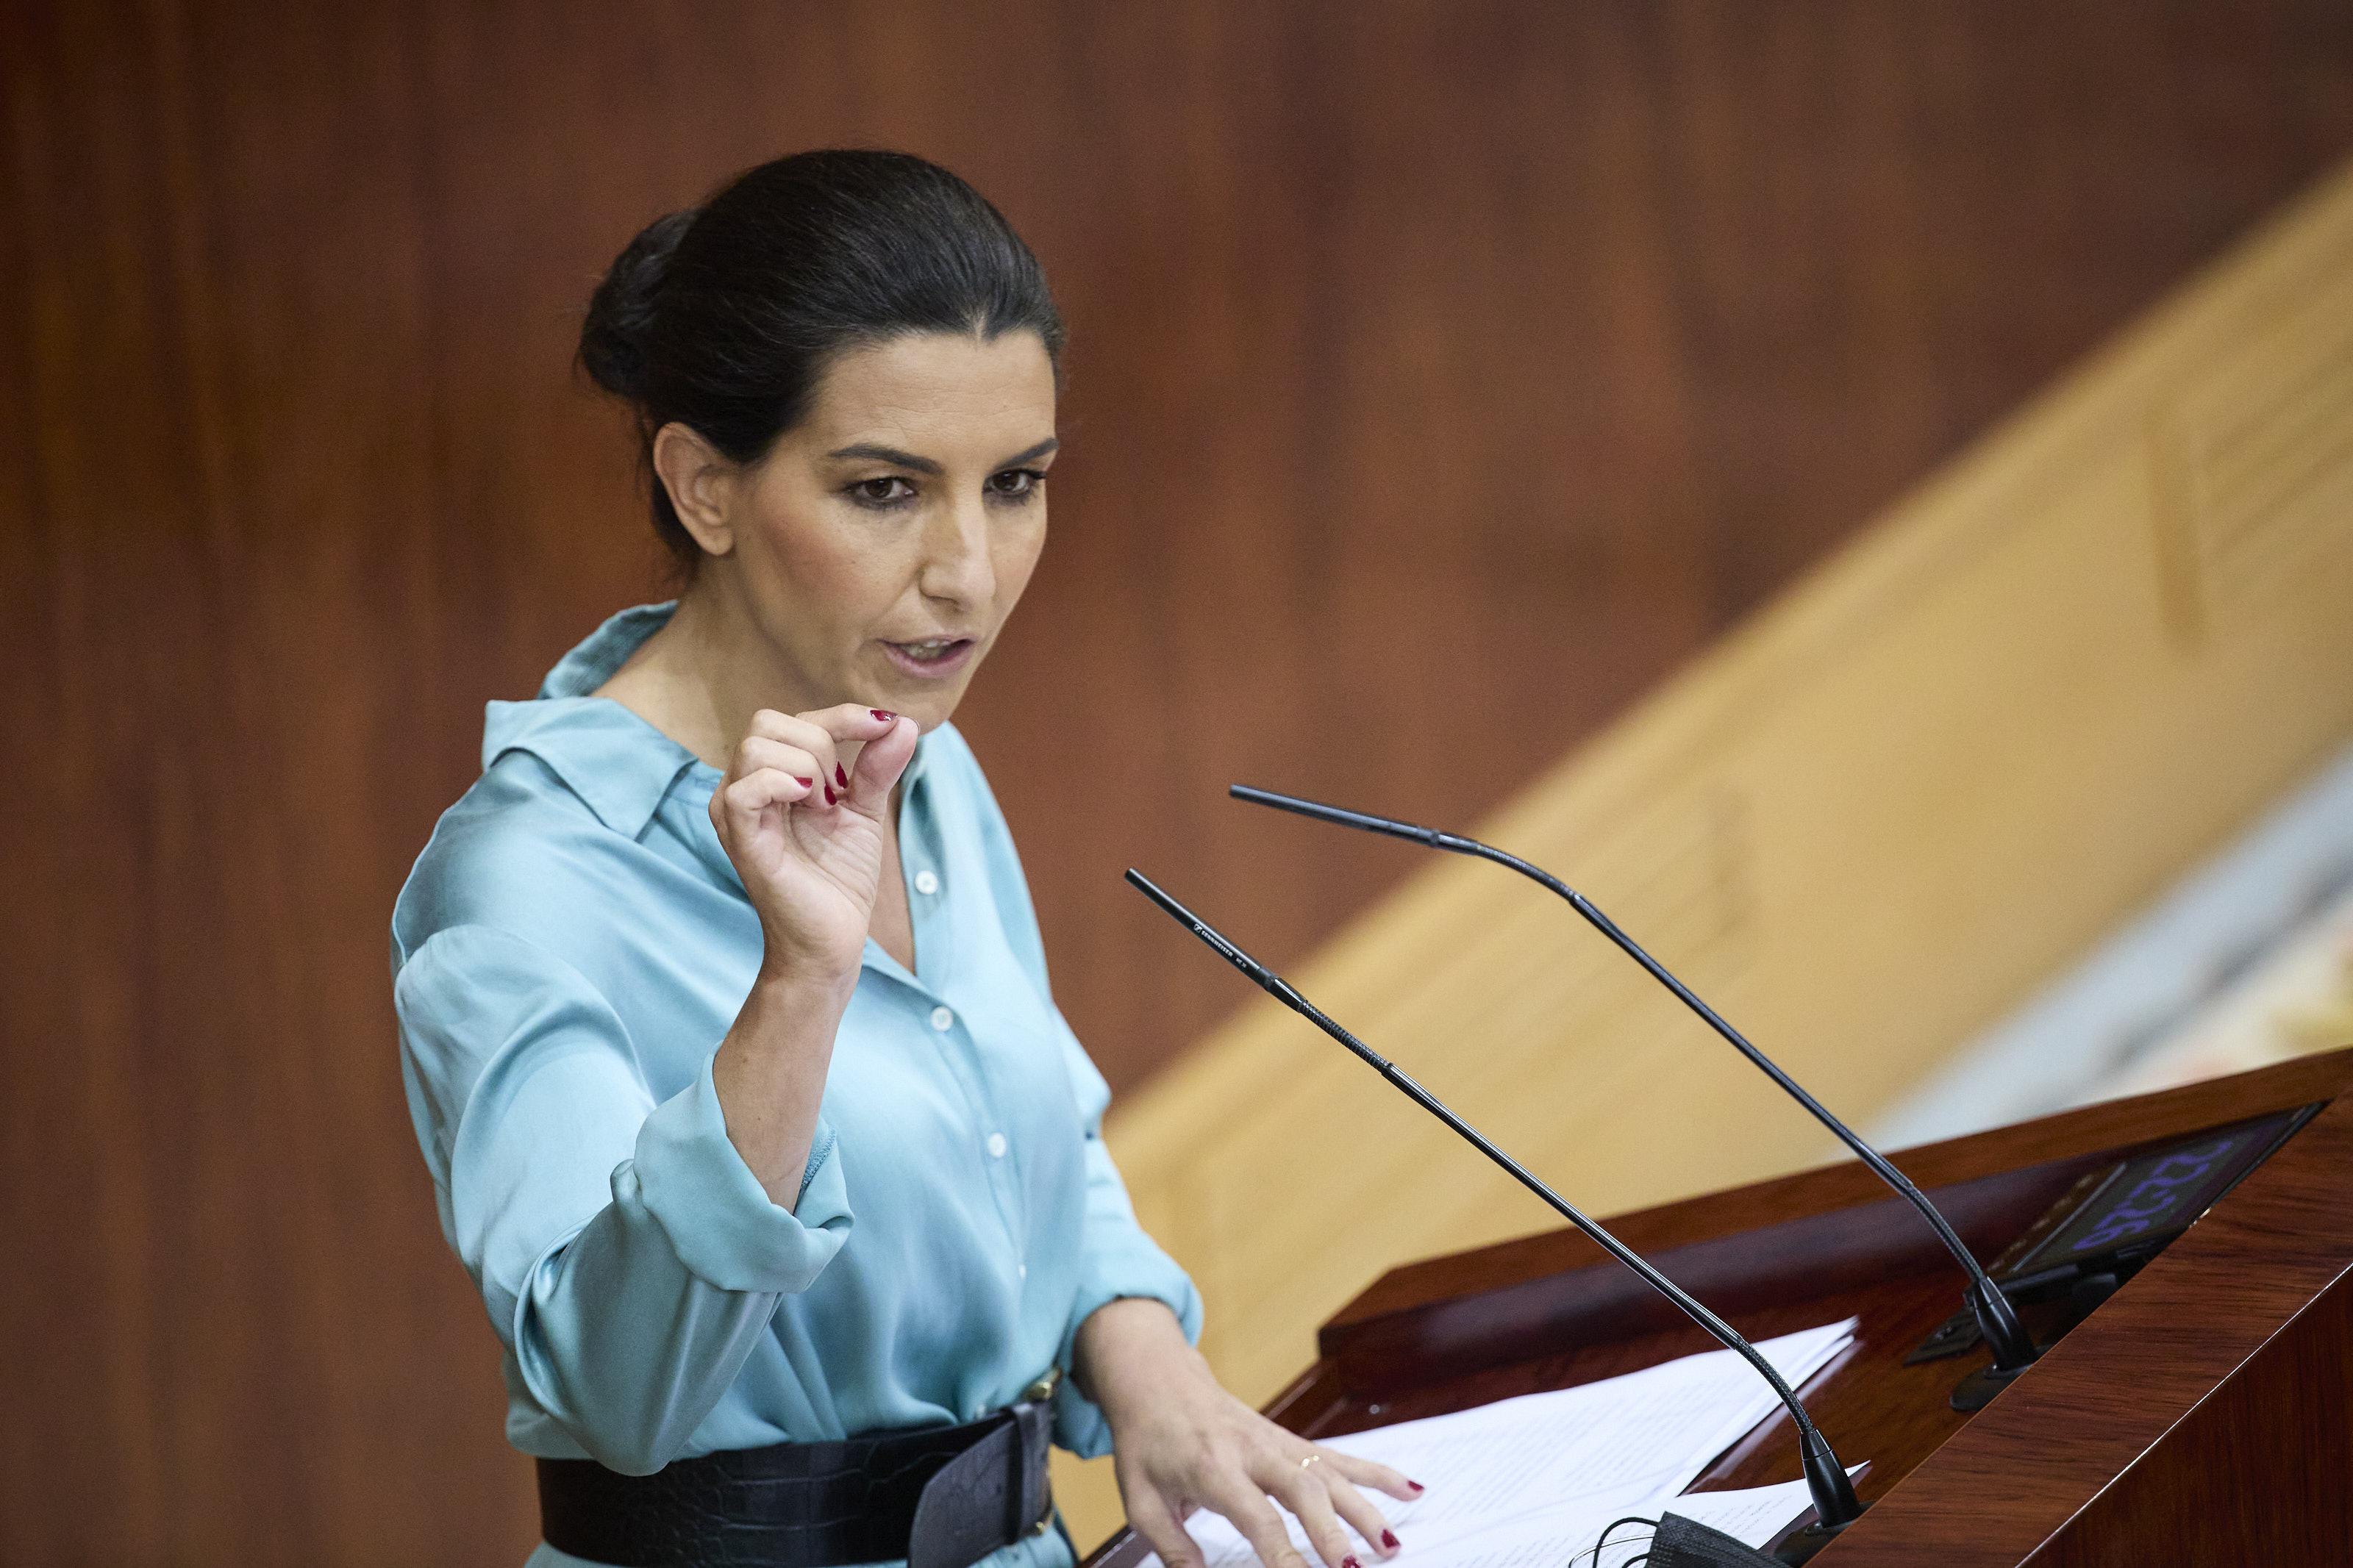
699,479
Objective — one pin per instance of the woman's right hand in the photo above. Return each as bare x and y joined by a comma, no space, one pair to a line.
809,835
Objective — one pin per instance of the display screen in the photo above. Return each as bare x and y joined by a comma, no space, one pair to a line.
2155,1195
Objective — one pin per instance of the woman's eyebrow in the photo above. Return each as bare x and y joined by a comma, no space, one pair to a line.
892,455
1031,454
887,455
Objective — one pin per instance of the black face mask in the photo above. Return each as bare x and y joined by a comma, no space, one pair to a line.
1679,1543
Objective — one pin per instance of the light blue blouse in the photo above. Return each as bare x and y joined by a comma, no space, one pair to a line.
567,955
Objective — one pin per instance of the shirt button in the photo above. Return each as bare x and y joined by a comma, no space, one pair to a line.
997,1146
1022,1269
926,884
943,1020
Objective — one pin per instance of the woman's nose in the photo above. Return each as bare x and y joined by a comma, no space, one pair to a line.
956,562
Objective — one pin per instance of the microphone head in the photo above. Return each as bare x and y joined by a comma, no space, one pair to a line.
1338,815
1208,933
1152,889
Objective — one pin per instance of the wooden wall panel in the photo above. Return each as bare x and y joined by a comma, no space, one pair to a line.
1919,784
1442,376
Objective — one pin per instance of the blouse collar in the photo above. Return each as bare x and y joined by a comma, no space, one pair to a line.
621,766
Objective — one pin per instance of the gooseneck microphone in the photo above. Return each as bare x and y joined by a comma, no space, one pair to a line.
1835,1504
2013,1348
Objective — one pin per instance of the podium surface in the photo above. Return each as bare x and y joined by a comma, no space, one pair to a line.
2202,1414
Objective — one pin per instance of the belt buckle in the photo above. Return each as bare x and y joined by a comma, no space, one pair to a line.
1040,1391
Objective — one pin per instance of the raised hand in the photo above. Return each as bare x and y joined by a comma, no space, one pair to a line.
809,833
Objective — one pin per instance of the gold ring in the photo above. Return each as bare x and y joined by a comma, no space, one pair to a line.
1309,1460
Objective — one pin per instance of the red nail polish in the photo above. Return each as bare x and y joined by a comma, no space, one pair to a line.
1417,1486
884,714
802,782
828,795
839,777
1390,1540
1350,1562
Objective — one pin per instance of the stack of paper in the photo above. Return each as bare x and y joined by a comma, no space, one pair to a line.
1533,1478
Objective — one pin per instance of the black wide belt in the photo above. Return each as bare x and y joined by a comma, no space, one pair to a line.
944,1497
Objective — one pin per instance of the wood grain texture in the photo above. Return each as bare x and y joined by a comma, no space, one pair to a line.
2286,1417
2109,1394
1864,827
2194,1418
1816,1222
1442,376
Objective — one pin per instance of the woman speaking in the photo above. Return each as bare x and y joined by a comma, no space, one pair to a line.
724,1018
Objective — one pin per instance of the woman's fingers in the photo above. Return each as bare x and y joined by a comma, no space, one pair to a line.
1306,1495
1380,1478
768,774
801,732
1357,1509
1153,1518
833,735
1246,1508
745,798
880,762
758,751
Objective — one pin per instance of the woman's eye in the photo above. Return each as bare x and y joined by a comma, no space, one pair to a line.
887,490
1016,484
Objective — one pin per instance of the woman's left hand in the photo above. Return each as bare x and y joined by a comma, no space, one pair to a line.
1180,1441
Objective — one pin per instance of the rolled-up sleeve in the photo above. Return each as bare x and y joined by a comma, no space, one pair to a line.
718,1218
628,1258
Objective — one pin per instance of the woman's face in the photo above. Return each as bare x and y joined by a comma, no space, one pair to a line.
880,545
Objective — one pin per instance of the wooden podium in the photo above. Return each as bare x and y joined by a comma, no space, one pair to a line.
2203,1414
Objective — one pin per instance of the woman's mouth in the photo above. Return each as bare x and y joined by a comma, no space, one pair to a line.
933,659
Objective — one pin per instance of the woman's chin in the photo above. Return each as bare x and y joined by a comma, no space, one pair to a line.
929,705
929,713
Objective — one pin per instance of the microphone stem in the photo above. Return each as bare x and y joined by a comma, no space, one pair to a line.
1862,1151
1716,1327
2012,1348
1835,1503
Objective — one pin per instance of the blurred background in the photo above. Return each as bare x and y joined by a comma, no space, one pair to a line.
1515,414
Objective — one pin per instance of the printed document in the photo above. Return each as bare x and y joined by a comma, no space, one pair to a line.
1522,1479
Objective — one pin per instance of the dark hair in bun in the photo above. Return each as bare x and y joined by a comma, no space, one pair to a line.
723,317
